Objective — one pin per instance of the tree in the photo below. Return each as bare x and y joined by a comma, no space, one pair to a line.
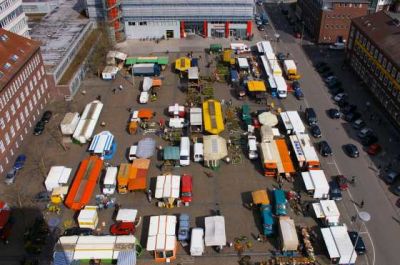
96,60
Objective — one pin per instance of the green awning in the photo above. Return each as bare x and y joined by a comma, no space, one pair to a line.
171,153
162,60
131,61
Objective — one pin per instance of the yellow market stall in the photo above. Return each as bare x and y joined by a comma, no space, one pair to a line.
182,64
212,117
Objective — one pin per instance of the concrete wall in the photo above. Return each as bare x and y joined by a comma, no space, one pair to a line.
152,29
43,7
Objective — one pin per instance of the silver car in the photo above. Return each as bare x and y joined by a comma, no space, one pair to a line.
10,178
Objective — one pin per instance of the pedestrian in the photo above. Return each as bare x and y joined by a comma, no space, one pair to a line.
259,238
280,185
149,195
301,107
353,180
120,87
353,218
98,97
287,55
114,90
362,204
191,54
199,57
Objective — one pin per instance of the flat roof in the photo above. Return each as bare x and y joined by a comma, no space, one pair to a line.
57,31
383,30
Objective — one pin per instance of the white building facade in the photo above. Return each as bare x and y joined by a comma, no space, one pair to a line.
12,17
39,6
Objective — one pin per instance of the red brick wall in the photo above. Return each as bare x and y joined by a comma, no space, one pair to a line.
11,120
336,21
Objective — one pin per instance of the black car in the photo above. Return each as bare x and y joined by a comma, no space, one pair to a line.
285,11
323,69
39,128
368,140
47,116
327,74
342,103
334,113
42,196
349,108
311,116
351,150
315,131
352,116
334,85
281,56
334,191
357,242
325,149
321,64
336,90
77,231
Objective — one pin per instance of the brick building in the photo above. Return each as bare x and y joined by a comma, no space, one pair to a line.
328,21
374,54
24,92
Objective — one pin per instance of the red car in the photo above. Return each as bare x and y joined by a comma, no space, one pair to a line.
256,123
342,182
374,149
186,188
122,228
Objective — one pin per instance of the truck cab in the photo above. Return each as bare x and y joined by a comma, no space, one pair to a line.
252,146
132,152
280,202
267,219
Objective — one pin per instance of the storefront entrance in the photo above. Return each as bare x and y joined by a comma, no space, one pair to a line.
218,33
169,33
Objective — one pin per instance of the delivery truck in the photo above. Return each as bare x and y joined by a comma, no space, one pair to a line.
290,70
289,240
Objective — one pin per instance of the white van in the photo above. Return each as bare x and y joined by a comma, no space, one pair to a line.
198,152
110,180
197,242
184,159
132,153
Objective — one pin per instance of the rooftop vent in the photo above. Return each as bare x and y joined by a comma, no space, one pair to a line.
3,37
7,66
1,74
14,58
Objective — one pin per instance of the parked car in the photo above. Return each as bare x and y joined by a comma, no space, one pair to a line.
357,242
281,56
334,191
331,79
122,228
186,189
285,10
333,82
298,93
184,227
370,139
323,69
256,123
39,128
351,150
315,131
358,124
396,188
335,86
325,149
19,162
349,108
321,64
10,177
311,116
352,116
77,231
42,196
334,113
342,103
391,176
261,28
339,97
374,149
258,22
365,132
46,116
327,74
342,181
334,90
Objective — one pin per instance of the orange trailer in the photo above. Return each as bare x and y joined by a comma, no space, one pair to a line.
133,177
84,183
285,157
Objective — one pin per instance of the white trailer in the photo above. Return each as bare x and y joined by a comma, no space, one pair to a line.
109,72
168,188
126,215
197,242
101,143
58,176
292,122
339,245
243,63
327,211
268,133
240,48
288,234
86,125
69,123
75,248
287,124
110,180
316,183
281,86
305,153
215,231
196,120
161,237
88,217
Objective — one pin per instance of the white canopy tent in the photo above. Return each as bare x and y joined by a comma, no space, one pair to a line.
215,231
161,235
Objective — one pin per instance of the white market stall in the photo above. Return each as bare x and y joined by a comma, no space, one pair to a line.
243,63
102,144
215,235
126,215
86,125
215,149
288,234
167,190
69,123
268,118
161,237
88,217
316,183
109,72
327,211
58,176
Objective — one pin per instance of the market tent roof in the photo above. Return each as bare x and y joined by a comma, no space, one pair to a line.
288,233
109,69
326,209
126,215
260,197
146,148
167,186
171,153
212,117
182,64
215,231
145,113
214,147
243,63
127,257
63,257
131,61
256,86
268,118
147,83
163,60
193,73
161,233
101,142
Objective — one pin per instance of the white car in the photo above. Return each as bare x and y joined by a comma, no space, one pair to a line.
338,46
144,97
252,146
339,97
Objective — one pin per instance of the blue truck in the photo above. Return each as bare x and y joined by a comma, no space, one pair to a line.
280,202
267,219
146,69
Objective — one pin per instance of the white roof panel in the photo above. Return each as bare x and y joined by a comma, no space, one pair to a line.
215,231
126,215
243,62
289,64
167,186
330,243
193,73
308,183
161,233
329,208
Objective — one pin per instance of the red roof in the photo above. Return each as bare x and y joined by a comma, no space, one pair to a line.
15,51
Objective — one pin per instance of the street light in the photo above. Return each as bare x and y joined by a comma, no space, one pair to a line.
364,217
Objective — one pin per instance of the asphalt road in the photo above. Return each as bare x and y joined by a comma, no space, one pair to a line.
383,230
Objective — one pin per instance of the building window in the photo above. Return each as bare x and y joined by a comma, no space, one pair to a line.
30,105
12,131
7,138
26,91
143,23
17,102
45,83
21,116
17,125
398,77
26,112
2,124
12,109
131,23
22,97
8,116
2,147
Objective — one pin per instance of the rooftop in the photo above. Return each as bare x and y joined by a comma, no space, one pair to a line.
383,30
57,31
15,51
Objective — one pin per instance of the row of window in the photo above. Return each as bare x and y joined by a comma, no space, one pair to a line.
5,4
19,26
11,16
336,26
350,5
339,16
24,74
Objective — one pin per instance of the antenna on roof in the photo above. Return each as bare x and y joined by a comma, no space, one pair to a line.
3,37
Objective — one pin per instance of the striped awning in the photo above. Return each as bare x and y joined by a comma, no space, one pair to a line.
63,257
126,257
101,142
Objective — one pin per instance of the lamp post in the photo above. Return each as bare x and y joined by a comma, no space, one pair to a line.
364,217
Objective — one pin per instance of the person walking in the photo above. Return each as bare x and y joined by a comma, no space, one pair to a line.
149,195
362,204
